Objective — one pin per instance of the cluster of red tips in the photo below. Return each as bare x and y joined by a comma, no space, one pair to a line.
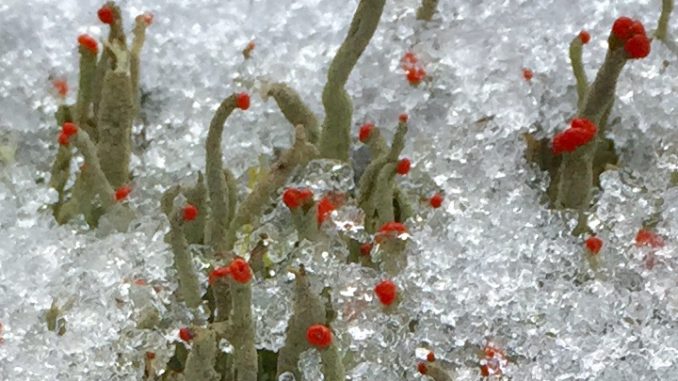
527,74
390,230
106,14
436,201
242,101
366,249
365,132
61,87
185,334
296,197
402,118
414,71
189,212
403,166
88,43
319,336
240,270
122,192
581,132
493,362
632,34
386,291
649,238
594,244
323,209
584,37
68,129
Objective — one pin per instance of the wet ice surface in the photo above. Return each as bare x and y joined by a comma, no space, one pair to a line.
493,264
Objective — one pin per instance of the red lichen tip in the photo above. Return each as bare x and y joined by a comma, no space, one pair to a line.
240,271
436,201
581,132
402,118
218,273
185,334
242,101
386,291
296,197
148,18
69,129
403,166
89,43
621,28
150,355
409,60
189,212
390,230
415,75
61,87
584,37
431,357
366,249
422,368
594,244
649,238
365,132
122,192
637,46
319,336
323,209
527,74
62,139
484,370
106,14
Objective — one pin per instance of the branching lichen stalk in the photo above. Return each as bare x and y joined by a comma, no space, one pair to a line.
294,109
335,136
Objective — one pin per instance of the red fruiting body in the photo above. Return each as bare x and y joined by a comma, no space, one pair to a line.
150,355
581,132
403,166
61,87
409,60
323,209
89,43
366,249
319,336
106,14
422,368
386,292
649,238
431,357
403,118
148,18
484,370
365,132
594,244
185,334
436,200
240,270
69,129
296,197
189,212
637,46
584,37
217,273
622,28
63,139
527,74
122,192
636,28
393,228
415,75
242,101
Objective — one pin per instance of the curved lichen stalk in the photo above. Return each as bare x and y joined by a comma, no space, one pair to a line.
295,110
576,48
335,137
308,310
189,287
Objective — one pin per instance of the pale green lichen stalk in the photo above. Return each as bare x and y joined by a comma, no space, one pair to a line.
576,47
295,110
335,136
189,287
201,360
427,9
